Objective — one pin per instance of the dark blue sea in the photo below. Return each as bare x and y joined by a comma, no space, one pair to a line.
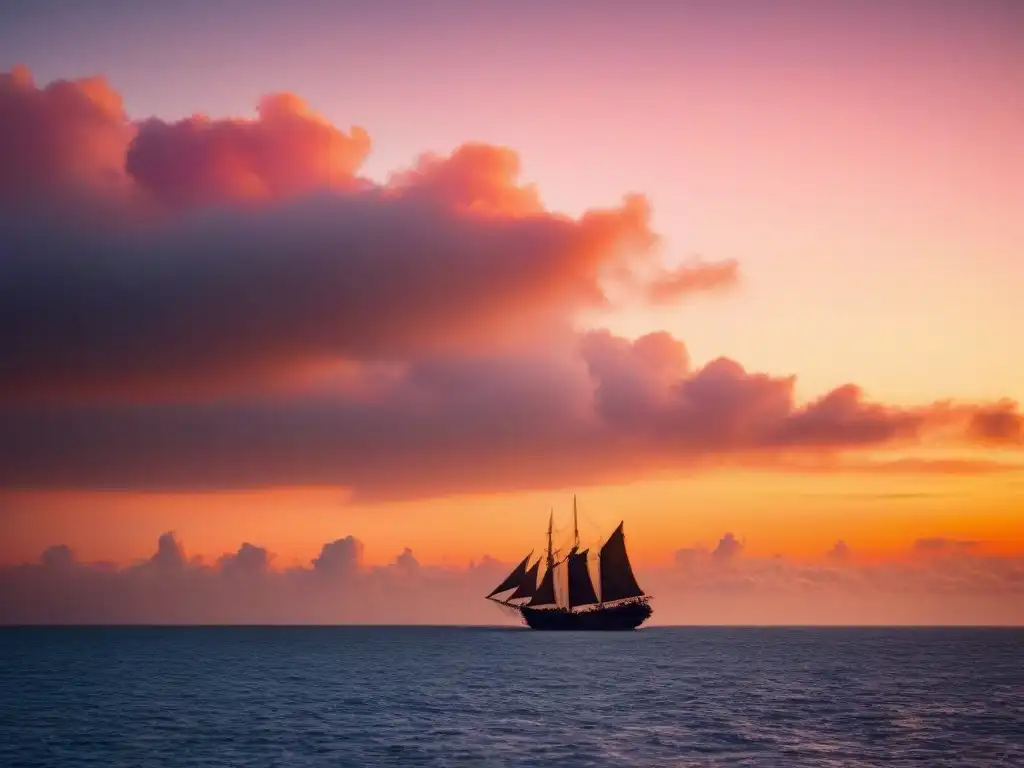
494,697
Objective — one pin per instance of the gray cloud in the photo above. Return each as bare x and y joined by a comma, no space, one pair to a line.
586,408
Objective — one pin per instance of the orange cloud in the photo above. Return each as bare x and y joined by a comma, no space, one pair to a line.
240,248
476,177
671,284
1000,424
286,150
69,135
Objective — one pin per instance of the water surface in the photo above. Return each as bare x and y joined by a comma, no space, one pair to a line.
298,696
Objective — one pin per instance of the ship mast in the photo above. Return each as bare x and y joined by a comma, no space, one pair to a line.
555,586
575,526
551,552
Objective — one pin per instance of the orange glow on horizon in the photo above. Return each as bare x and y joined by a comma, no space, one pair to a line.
793,515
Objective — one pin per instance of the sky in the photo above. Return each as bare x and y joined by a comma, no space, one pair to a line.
332,294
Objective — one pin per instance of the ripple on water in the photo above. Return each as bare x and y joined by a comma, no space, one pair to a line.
457,697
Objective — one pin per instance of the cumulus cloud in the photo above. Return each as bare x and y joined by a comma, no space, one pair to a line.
251,245
288,149
58,557
339,587
170,555
407,561
242,587
970,587
70,135
999,424
840,552
729,548
249,559
339,558
247,310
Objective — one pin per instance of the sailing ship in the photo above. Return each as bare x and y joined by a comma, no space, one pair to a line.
566,598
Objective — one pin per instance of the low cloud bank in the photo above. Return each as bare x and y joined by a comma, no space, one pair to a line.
705,585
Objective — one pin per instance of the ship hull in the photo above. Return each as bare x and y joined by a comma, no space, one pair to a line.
623,617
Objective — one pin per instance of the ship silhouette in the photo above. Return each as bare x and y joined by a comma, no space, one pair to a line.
566,598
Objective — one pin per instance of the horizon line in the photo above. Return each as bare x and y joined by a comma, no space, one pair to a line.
357,625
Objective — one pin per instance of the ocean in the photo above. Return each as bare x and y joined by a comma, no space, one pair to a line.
416,696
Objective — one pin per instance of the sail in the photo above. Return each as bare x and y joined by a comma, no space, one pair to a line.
514,579
581,588
617,579
545,594
528,586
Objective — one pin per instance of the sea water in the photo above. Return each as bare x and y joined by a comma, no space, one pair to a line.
327,696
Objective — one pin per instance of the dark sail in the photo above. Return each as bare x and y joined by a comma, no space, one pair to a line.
570,603
545,594
581,588
514,579
528,586
617,579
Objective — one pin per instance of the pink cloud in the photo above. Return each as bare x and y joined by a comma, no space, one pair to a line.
248,311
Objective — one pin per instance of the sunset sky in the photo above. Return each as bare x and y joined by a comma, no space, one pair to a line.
747,275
